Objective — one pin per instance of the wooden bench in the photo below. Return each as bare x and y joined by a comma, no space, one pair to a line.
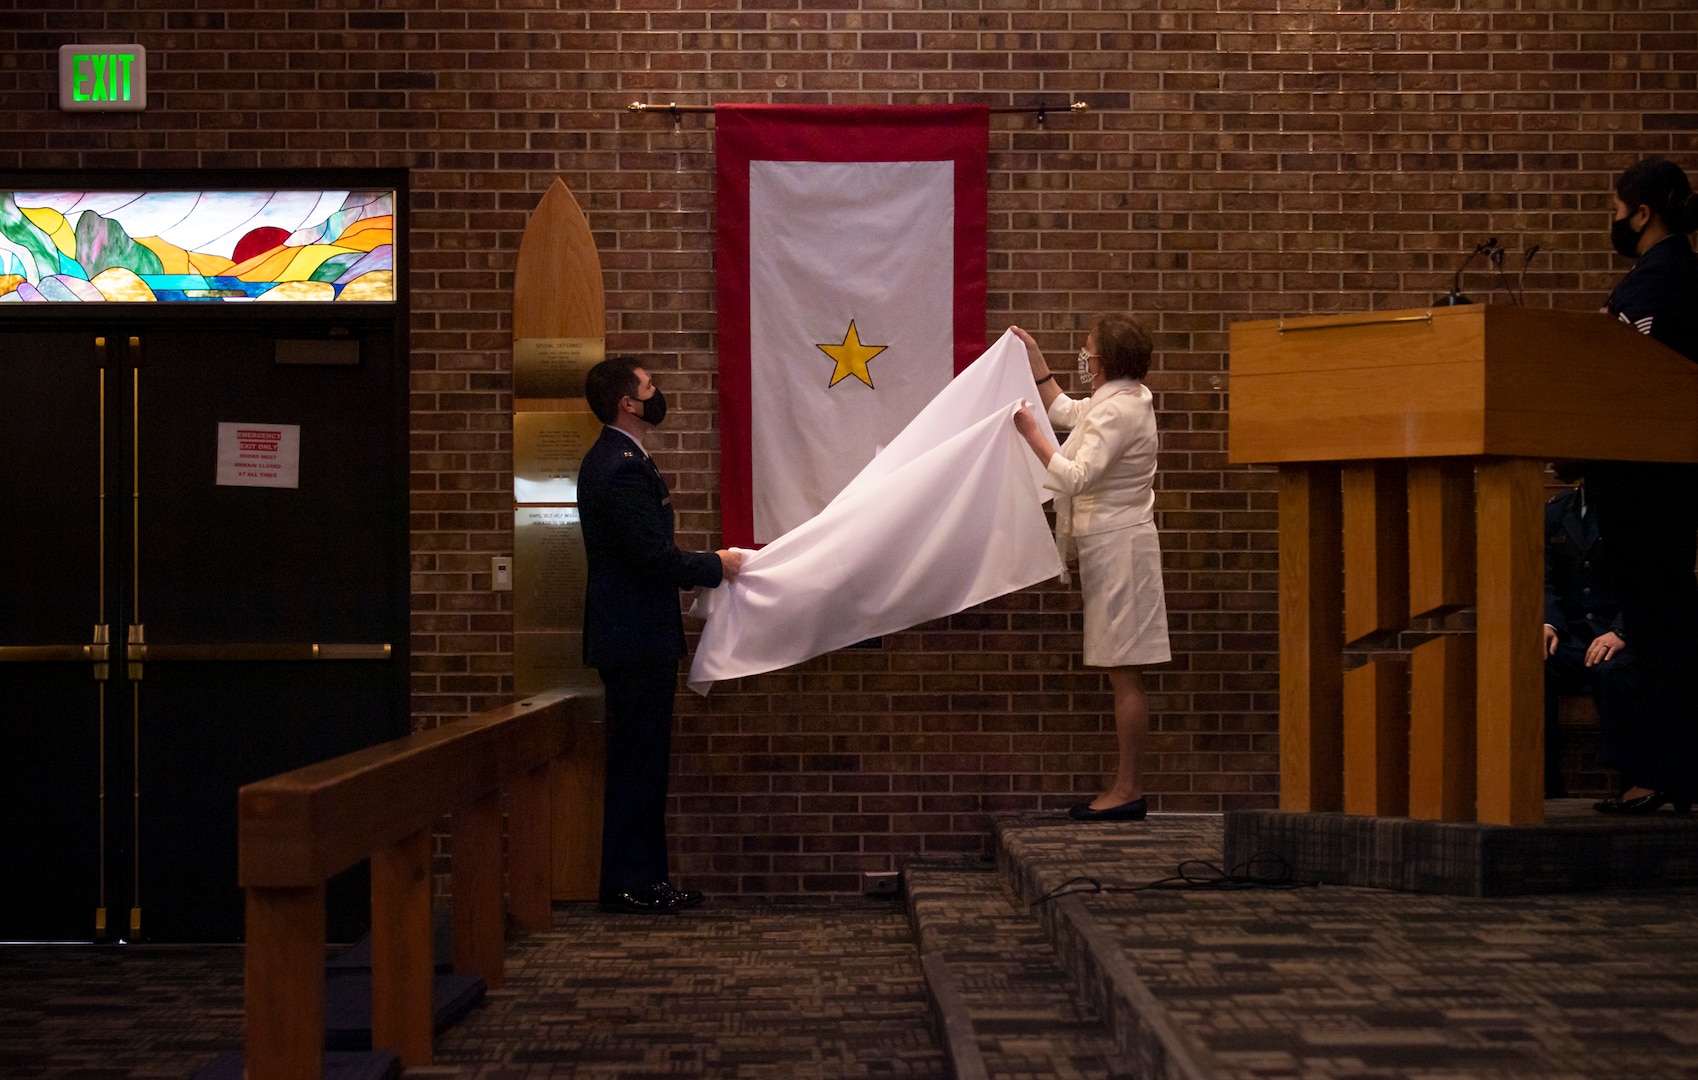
300,828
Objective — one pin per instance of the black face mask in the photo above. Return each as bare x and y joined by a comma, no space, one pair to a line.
654,408
1625,237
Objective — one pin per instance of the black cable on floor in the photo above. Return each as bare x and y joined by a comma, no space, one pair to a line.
1263,870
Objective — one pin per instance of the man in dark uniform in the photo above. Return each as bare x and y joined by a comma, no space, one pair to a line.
633,630
1585,646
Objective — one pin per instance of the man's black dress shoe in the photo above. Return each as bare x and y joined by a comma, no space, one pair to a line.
1649,803
1128,811
681,898
648,901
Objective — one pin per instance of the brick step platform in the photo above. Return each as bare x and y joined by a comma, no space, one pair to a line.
1336,981
1004,1007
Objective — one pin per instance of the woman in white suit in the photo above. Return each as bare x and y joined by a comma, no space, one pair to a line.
1105,509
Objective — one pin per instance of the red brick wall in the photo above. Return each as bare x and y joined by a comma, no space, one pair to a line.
1241,158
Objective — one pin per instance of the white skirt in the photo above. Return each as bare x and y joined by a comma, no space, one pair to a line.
1125,606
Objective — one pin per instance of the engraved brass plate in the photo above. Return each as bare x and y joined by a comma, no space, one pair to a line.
554,367
549,568
548,447
543,661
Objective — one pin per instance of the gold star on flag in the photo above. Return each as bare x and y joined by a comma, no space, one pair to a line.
851,357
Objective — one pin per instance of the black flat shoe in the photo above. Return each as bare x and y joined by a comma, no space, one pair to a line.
1641,805
681,898
645,902
1128,811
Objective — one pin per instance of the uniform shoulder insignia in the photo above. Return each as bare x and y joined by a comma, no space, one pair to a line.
629,454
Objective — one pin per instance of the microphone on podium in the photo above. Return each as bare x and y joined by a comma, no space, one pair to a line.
1455,296
1521,278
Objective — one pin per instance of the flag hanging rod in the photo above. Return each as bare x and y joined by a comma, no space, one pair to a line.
672,108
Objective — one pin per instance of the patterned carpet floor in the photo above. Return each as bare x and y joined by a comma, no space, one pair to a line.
1337,983
117,1013
729,990
1327,983
808,991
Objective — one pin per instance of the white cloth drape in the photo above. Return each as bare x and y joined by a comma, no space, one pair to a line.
949,515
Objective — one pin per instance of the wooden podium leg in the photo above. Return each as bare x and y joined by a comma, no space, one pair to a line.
1376,738
1441,729
1441,534
1376,548
1511,686
1311,638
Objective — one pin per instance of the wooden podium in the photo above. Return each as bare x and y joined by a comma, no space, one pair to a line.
1411,447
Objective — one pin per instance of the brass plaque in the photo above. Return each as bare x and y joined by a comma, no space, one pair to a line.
549,568
543,661
554,367
548,447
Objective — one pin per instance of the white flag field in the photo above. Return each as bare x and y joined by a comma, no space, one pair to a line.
878,281
950,514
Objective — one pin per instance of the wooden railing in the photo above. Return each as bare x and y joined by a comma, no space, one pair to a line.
300,828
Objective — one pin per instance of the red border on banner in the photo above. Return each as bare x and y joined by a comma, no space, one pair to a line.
745,133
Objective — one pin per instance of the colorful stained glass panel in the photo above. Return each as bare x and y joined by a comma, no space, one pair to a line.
196,246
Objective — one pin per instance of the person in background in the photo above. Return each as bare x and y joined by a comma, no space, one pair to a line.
1103,478
634,630
1649,511
1585,644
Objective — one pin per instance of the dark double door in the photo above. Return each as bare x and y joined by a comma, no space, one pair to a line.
168,631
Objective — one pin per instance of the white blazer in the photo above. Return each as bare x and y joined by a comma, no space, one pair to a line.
1103,476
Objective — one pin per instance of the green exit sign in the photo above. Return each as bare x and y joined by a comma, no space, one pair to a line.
102,78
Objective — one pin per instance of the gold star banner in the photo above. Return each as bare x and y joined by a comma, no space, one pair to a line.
839,274
851,357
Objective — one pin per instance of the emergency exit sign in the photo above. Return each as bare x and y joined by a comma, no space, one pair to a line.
102,78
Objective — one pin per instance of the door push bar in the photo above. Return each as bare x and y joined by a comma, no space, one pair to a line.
98,652
137,651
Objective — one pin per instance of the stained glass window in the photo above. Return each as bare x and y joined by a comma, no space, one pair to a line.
196,246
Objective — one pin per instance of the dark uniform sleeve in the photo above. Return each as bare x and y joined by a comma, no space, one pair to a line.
642,528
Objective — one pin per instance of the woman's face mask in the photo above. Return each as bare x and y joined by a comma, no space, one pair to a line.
1623,236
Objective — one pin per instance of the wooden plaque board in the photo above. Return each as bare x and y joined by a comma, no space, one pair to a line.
559,332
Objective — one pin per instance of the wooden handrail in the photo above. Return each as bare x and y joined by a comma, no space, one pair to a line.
298,829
